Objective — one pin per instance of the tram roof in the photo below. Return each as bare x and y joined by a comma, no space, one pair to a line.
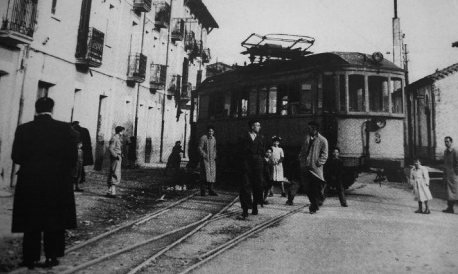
319,61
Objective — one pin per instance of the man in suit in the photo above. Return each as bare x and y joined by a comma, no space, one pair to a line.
44,201
85,138
252,149
312,157
115,149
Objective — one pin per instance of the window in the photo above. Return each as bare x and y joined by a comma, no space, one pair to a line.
235,106
378,94
263,101
342,94
356,93
252,101
396,96
43,89
221,106
272,100
329,93
282,99
203,107
306,96
244,96
294,98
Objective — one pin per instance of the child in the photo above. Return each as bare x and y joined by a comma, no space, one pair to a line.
419,179
267,174
78,169
333,173
174,160
277,157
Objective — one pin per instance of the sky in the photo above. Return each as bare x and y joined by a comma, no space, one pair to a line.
430,27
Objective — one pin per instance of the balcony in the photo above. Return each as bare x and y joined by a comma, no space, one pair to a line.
158,76
142,5
175,86
89,48
137,68
206,57
190,41
162,18
18,22
186,93
178,30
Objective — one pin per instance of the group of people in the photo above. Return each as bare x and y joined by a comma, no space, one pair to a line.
419,180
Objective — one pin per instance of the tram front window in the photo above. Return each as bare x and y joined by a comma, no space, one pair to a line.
244,97
396,96
262,101
294,98
234,104
378,94
252,101
306,96
272,100
356,93
282,99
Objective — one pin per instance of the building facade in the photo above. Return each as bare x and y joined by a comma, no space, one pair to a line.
432,111
109,63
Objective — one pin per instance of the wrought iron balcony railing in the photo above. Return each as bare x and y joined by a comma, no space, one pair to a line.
206,57
142,5
158,76
162,17
89,48
190,41
178,30
18,21
186,92
137,67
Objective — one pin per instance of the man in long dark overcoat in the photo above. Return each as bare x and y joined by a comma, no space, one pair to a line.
252,149
44,201
85,137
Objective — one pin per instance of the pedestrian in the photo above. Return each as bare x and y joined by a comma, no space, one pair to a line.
132,152
85,137
207,151
450,174
333,174
268,171
419,180
312,157
277,157
44,201
115,150
78,168
251,151
174,160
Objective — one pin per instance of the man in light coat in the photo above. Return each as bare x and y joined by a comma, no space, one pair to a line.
115,149
450,174
207,151
312,157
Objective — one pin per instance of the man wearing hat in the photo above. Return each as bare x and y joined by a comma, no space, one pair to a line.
312,157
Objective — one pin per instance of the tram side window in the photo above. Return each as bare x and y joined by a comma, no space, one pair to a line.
282,99
221,105
212,106
244,97
262,101
235,106
306,96
203,107
378,94
343,97
294,98
252,101
396,96
356,93
329,93
272,100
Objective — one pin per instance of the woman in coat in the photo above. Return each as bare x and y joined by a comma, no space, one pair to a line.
207,153
419,179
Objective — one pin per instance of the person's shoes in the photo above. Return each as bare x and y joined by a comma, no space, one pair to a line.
266,202
283,194
448,210
419,211
50,262
312,211
289,202
320,203
79,189
243,216
271,194
426,211
29,265
109,195
212,193
254,211
344,204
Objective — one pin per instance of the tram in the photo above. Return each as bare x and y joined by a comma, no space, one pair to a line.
358,100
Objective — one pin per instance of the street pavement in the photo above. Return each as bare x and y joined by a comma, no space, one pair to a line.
378,233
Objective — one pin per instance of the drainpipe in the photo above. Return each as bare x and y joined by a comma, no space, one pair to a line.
161,148
138,86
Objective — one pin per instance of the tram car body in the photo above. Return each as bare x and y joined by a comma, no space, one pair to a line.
358,100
